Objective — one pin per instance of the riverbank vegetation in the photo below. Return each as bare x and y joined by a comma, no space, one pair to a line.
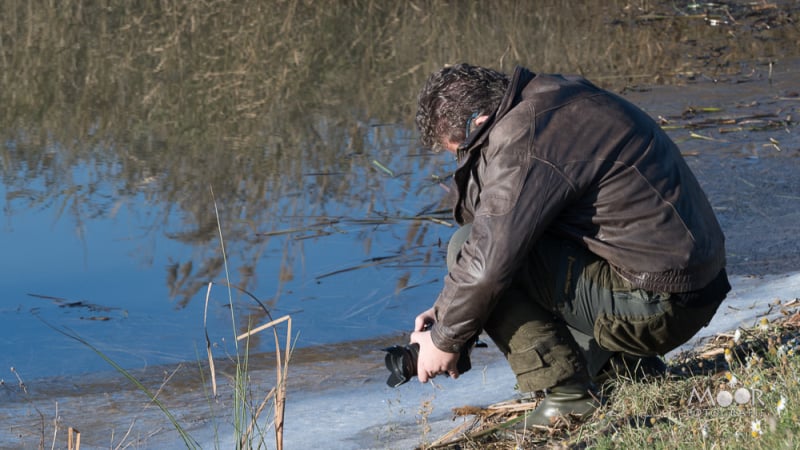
739,389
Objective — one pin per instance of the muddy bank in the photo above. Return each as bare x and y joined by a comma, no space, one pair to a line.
741,137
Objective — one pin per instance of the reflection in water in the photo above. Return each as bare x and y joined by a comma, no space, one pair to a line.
282,109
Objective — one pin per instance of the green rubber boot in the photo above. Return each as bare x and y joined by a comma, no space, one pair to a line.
565,400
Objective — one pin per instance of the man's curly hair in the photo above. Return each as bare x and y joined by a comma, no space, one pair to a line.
451,96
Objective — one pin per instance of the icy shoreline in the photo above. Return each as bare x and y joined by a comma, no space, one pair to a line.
374,416
337,395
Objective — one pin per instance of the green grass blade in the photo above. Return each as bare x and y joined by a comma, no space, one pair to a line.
187,439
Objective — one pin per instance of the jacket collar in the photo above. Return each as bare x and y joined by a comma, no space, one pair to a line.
519,80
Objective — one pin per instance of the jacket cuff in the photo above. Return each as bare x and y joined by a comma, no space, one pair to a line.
442,342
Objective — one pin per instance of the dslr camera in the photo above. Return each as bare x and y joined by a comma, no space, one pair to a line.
402,361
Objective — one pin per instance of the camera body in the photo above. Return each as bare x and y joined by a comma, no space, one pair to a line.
402,362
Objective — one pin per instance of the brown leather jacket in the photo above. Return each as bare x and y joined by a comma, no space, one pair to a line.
563,155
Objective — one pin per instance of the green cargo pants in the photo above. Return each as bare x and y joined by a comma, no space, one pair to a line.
567,312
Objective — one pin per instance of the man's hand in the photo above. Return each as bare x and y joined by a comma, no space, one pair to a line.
424,320
431,360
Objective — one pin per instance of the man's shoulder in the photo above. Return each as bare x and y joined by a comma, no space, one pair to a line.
548,86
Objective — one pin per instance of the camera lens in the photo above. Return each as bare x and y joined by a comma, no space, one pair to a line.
402,363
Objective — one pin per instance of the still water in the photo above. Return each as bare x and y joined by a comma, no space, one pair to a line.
348,274
150,150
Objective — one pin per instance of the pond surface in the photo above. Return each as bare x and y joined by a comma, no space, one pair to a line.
149,151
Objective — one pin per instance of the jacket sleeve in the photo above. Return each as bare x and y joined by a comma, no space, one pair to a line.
520,196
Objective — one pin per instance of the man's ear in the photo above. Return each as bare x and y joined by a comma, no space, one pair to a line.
480,120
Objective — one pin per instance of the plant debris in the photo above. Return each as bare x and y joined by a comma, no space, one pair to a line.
708,364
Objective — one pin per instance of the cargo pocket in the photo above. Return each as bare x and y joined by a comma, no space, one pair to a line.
635,336
534,374
652,335
527,366
525,362
638,324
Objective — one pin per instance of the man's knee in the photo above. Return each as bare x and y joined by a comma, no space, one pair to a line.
537,345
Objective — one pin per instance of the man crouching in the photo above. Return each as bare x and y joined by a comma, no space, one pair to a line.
586,244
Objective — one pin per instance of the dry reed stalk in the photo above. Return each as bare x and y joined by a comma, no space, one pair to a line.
76,443
264,327
485,421
55,427
282,370
453,435
163,385
125,436
258,412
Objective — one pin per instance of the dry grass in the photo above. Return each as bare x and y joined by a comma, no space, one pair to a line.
738,390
